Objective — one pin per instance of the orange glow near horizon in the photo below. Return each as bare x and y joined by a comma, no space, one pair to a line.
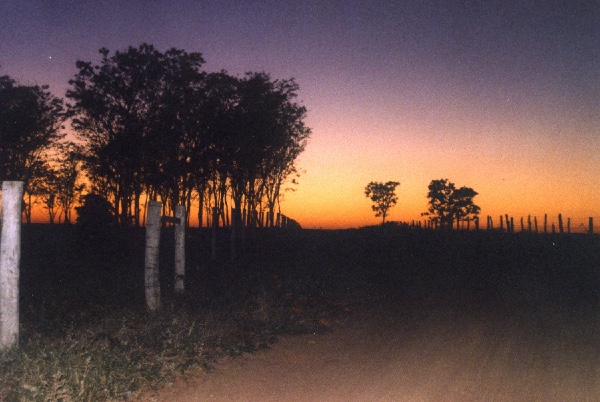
502,99
519,166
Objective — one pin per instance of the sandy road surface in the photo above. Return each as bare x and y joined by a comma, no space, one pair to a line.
416,354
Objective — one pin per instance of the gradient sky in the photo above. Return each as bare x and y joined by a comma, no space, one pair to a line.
500,96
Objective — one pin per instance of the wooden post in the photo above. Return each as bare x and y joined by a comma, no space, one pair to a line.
10,258
529,223
522,226
180,214
591,225
501,223
568,225
151,272
507,224
535,223
512,225
545,223
560,223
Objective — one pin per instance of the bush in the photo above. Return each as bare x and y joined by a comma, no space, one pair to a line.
95,211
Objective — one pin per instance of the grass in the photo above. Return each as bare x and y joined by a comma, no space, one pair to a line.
86,335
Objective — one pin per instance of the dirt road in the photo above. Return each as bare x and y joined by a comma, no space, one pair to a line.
424,353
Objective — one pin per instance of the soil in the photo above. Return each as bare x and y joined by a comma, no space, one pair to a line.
429,352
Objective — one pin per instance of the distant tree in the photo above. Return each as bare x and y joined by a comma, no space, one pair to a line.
447,204
383,196
68,186
47,194
30,124
38,189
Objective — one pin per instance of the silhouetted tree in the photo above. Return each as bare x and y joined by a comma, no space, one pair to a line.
152,123
123,113
30,124
268,133
68,186
208,161
47,194
95,213
177,137
383,196
448,204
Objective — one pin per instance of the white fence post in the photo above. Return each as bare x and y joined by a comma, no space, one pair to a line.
10,256
151,272
180,249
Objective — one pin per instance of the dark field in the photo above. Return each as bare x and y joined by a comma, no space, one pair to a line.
295,281
65,271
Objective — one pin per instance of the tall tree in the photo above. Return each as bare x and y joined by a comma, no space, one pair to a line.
383,196
118,106
268,133
30,125
209,162
447,204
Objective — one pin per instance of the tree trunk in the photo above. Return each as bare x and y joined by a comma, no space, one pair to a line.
10,256
136,212
151,273
213,241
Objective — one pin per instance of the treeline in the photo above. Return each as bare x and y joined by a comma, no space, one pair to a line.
154,125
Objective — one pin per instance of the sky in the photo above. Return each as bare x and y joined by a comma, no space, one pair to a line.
500,96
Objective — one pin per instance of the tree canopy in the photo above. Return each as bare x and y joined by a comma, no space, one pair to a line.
155,124
383,196
30,124
447,204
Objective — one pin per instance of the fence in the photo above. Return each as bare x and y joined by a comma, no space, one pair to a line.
151,265
510,224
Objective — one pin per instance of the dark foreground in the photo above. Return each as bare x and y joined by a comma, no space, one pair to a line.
522,327
437,316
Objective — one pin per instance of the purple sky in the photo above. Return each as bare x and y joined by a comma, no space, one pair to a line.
501,96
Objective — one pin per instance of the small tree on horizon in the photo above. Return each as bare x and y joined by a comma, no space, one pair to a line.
447,204
383,196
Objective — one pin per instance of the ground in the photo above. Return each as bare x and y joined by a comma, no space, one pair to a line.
425,352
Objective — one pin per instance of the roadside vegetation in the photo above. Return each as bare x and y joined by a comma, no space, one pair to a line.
86,334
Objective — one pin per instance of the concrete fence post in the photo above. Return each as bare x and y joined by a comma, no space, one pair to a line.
151,272
180,219
10,256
